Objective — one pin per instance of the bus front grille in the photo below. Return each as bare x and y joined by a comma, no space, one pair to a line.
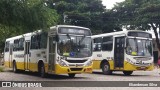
76,61
76,69
76,65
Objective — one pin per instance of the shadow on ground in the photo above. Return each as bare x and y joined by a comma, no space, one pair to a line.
48,76
118,74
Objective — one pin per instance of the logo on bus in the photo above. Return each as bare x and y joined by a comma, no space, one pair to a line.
99,55
19,56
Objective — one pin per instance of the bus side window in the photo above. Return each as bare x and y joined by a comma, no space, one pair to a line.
7,47
43,41
15,47
97,46
38,39
35,42
21,44
107,43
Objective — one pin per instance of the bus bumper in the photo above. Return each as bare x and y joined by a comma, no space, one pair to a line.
77,70
131,67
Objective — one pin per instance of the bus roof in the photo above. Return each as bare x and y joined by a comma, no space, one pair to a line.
117,33
20,36
69,26
38,31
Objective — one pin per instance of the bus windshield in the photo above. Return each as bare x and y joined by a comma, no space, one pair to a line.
74,46
139,47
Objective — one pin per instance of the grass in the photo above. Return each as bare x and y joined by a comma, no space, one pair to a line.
1,69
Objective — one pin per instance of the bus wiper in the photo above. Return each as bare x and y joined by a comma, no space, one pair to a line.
72,45
82,39
69,37
135,40
71,42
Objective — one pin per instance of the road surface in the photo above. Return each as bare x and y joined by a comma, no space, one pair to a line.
96,76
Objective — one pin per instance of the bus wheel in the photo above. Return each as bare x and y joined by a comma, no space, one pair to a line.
14,67
72,75
42,71
127,73
106,68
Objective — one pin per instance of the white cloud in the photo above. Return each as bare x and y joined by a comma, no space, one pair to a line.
110,3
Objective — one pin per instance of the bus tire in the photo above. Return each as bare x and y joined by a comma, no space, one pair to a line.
71,75
106,68
42,71
15,67
127,73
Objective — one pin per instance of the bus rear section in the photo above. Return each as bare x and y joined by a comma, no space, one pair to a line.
125,51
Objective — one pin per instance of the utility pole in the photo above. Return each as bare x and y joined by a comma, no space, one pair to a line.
64,18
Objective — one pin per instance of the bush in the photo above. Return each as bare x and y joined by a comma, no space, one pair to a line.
1,69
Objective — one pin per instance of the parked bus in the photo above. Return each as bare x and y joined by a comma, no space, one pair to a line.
64,49
125,51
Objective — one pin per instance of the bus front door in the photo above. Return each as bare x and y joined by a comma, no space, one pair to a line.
119,52
26,55
10,55
51,64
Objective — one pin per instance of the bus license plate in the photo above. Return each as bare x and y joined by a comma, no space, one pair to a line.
143,68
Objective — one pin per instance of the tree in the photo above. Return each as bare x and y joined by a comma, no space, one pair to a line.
110,22
139,14
23,16
85,13
149,17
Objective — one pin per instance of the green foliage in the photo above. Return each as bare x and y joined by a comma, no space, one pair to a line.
1,69
139,14
22,16
110,22
85,13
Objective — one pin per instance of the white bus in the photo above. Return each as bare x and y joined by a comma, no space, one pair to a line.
125,51
64,49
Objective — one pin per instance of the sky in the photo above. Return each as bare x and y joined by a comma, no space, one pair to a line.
110,3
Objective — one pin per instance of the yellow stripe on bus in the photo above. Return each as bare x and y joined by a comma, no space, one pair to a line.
58,69
127,66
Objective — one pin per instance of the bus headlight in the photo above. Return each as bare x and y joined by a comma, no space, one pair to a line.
89,63
61,63
130,61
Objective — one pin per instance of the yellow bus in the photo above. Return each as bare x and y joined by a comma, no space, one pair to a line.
125,51
64,49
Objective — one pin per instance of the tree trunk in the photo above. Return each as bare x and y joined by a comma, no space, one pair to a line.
156,35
